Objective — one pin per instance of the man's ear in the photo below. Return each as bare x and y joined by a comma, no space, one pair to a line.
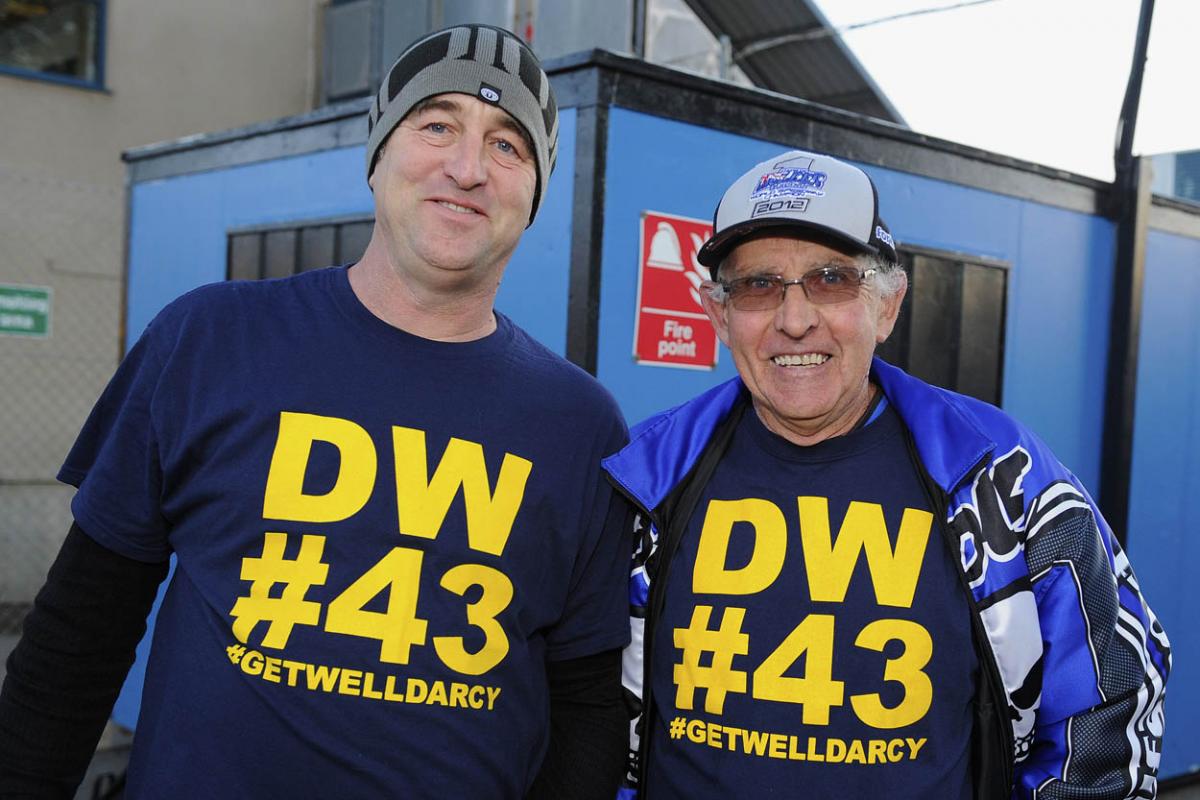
889,311
375,165
715,309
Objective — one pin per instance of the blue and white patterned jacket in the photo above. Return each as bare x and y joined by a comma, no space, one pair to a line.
1072,660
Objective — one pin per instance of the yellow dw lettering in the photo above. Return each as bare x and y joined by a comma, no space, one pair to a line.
422,502
285,498
829,562
711,576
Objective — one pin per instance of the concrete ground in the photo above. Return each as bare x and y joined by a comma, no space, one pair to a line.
108,766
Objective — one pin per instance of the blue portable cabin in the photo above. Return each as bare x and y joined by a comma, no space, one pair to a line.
1012,266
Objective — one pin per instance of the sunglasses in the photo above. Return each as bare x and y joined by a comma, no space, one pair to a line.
822,286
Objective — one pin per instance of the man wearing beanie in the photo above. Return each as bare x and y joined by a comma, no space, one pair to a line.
398,569
850,583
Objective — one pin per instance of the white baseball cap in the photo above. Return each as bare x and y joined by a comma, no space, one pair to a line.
800,192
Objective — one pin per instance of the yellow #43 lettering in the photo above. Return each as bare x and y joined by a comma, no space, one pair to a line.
397,628
817,691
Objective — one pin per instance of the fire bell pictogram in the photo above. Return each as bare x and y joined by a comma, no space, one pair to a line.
672,328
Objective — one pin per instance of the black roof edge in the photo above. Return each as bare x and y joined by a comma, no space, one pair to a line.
1178,203
624,94
350,109
602,77
616,92
1175,215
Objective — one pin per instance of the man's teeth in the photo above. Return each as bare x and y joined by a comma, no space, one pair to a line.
806,360
456,207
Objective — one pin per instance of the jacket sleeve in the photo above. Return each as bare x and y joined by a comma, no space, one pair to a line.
1098,722
632,669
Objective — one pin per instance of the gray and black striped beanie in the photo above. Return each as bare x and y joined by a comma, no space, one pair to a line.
482,61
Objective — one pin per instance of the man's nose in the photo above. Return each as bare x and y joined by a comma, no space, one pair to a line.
796,314
465,162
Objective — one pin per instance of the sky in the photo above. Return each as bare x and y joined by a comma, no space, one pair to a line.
1041,80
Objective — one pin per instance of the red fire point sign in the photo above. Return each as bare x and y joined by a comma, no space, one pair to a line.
671,328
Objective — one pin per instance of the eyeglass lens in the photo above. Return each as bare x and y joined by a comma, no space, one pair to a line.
821,286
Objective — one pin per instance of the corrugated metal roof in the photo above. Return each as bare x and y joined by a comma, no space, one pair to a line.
789,47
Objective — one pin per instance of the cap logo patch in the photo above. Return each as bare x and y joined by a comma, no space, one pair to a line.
790,179
884,237
796,205
489,93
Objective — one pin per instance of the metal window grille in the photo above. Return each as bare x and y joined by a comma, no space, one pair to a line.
280,251
951,326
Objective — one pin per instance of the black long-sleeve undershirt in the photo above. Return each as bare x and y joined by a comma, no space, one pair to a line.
589,730
66,671
79,642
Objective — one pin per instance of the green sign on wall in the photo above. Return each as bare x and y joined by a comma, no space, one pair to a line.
25,311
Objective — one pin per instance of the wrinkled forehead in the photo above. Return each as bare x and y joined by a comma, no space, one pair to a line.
458,103
774,252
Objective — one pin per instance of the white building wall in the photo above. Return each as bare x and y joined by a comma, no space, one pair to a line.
171,69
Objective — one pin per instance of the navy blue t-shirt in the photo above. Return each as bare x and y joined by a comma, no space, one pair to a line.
381,539
815,640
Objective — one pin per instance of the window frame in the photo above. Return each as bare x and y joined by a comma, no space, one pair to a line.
98,84
908,254
235,236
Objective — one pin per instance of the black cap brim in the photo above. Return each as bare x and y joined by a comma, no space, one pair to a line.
714,251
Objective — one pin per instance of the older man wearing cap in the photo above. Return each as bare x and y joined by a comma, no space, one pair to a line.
399,570
850,583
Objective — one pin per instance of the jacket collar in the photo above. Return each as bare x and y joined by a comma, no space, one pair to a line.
664,447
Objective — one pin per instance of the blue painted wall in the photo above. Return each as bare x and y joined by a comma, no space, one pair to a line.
178,226
1057,328
1163,545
